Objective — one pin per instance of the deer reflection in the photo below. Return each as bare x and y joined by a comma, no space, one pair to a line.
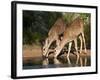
57,62
83,61
72,59
65,62
45,62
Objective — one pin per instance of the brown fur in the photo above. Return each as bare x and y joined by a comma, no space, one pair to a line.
53,34
71,33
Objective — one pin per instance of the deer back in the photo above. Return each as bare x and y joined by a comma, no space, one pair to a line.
58,28
74,29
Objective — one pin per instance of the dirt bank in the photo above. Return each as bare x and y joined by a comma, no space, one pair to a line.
35,51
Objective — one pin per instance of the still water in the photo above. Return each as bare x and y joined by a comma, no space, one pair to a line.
39,62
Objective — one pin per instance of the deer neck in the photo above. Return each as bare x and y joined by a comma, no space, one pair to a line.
50,41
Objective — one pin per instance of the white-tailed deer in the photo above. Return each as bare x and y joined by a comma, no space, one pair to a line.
53,35
71,33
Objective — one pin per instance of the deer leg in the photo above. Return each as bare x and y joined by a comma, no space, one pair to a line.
84,42
45,62
47,54
85,61
75,41
81,62
57,51
59,48
81,44
69,48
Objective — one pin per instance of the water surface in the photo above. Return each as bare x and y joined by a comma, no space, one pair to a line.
39,62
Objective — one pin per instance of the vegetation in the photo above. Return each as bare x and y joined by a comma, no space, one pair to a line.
36,24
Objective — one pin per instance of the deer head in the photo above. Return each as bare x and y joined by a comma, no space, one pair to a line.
45,47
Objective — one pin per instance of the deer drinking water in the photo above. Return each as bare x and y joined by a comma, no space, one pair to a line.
70,34
62,25
53,35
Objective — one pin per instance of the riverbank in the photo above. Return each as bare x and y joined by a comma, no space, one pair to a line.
33,51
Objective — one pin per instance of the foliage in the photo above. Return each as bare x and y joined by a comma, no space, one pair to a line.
36,25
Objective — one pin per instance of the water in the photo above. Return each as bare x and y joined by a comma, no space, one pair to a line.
39,62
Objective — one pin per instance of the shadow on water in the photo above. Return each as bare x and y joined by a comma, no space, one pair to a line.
39,62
